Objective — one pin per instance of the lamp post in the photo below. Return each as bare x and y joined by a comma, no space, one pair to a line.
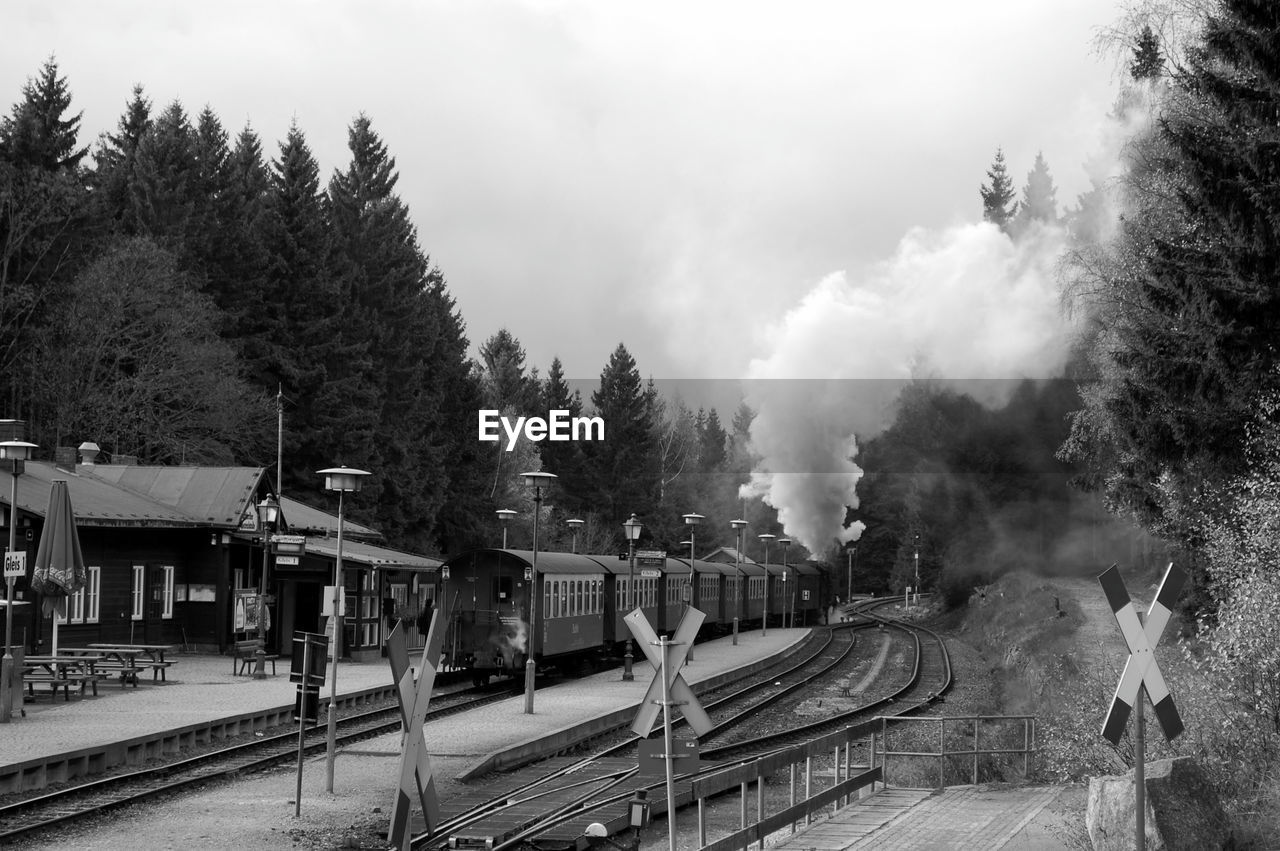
739,527
575,524
768,580
632,528
343,480
788,599
268,512
15,452
537,481
692,520
851,554
504,515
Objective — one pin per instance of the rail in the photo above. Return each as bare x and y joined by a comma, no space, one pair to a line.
847,779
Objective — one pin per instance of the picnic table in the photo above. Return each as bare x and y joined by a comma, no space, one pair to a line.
143,656
108,662
62,672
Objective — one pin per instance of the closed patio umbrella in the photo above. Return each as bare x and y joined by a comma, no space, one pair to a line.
59,569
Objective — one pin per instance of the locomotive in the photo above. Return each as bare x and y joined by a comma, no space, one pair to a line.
581,601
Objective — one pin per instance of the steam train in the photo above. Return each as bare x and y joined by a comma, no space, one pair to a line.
582,599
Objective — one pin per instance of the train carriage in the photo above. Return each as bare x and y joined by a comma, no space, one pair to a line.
807,589
714,594
675,593
753,603
647,579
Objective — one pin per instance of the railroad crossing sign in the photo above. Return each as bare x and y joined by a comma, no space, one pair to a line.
1141,671
676,651
415,763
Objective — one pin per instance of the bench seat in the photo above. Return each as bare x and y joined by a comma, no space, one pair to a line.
245,656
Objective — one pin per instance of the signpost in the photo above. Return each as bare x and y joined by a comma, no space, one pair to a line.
1141,675
668,689
306,668
416,780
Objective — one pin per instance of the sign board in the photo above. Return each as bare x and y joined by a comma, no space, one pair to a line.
653,761
652,558
289,544
1141,671
804,595
319,644
444,573
306,704
651,574
327,602
15,565
286,560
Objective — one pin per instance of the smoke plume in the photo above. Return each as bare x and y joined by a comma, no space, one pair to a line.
966,305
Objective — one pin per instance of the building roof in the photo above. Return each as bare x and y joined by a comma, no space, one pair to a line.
302,519
727,555
96,501
214,496
369,554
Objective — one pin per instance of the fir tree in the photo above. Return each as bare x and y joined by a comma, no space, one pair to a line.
622,477
1039,199
39,133
115,158
998,195
1148,62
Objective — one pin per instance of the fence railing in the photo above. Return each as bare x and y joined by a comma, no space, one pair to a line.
848,779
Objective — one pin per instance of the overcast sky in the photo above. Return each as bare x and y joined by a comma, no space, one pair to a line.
675,176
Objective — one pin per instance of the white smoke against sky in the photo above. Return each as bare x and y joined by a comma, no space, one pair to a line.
961,305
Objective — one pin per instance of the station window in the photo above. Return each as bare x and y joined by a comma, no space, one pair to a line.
137,594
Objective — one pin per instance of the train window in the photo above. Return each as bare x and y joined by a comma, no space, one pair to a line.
546,599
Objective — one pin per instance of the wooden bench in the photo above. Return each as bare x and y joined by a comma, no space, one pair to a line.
244,655
127,671
64,682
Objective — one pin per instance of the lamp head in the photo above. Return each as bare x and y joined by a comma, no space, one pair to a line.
505,514
16,450
575,523
269,510
632,527
738,525
538,479
343,479
693,519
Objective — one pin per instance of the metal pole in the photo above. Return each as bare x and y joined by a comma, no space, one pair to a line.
664,643
627,659
7,664
530,667
693,586
331,737
1140,772
302,720
768,580
737,588
848,592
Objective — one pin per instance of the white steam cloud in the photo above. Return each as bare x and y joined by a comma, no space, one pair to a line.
964,304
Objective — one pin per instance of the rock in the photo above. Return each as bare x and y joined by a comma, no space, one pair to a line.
1183,810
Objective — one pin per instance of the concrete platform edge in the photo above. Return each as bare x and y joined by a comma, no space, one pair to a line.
543,746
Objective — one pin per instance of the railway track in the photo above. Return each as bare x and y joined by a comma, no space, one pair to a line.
30,815
562,801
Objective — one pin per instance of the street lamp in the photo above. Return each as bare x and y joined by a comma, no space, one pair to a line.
504,515
764,616
268,512
788,611
537,481
632,528
692,520
15,452
343,480
739,527
575,524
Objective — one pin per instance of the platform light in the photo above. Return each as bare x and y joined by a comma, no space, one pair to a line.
536,480
632,530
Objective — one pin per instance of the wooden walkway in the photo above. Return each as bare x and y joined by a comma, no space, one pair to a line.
969,818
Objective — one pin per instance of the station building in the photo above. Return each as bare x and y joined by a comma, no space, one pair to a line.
175,555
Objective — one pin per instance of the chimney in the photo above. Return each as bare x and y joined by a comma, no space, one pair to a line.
89,453
65,458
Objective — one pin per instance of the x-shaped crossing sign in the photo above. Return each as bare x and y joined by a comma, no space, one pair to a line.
1141,669
415,763
677,651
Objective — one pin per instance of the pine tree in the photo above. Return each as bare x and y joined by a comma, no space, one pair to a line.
507,387
1148,62
165,189
566,459
115,159
621,474
37,134
998,195
1039,202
